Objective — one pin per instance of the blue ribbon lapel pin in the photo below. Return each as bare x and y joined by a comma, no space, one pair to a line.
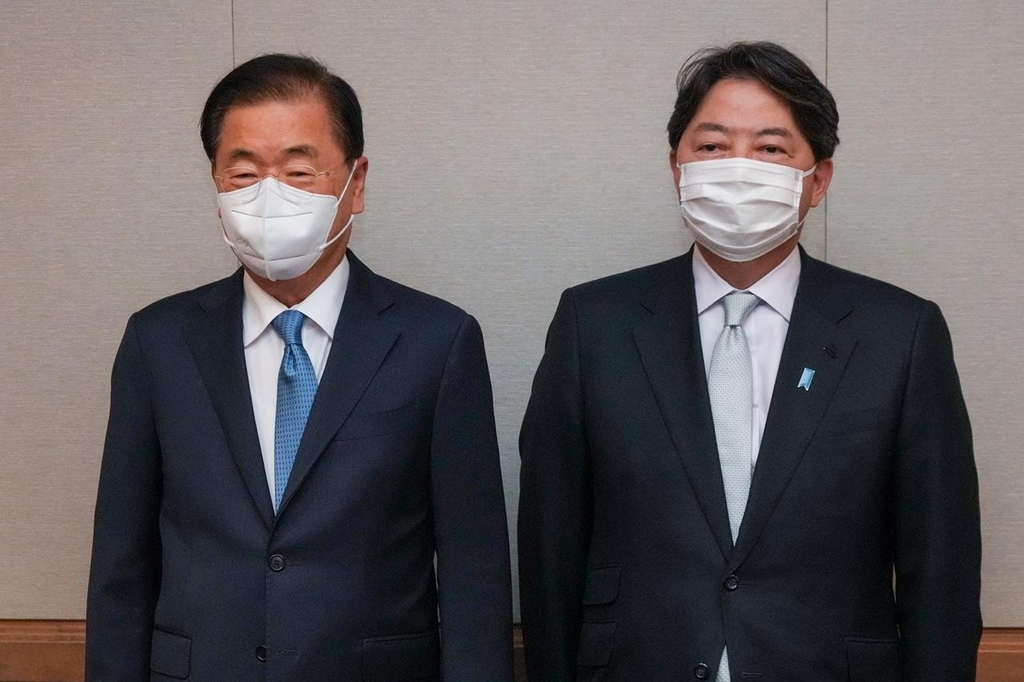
806,378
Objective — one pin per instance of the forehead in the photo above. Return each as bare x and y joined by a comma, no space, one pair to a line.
744,106
268,130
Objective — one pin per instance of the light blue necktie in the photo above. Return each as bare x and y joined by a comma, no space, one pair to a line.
729,387
296,388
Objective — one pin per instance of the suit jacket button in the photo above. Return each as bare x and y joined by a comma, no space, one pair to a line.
731,583
261,653
701,671
277,562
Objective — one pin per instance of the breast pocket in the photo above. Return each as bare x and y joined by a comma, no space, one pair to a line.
849,424
378,423
401,657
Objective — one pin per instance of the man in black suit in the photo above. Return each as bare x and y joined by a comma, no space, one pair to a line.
290,448
744,463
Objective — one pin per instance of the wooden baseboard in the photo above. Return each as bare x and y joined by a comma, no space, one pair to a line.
54,651
42,650
1001,655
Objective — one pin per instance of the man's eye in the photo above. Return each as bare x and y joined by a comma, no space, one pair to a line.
709,147
773,150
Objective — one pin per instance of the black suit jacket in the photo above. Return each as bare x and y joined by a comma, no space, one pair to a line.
193,577
627,568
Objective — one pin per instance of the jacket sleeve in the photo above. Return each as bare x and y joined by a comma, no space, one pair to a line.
938,536
124,577
471,530
555,505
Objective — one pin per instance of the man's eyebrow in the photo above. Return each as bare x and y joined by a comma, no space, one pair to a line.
774,132
708,127
241,154
302,150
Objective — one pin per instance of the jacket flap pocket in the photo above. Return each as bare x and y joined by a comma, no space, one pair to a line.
404,657
170,654
596,641
602,586
877,660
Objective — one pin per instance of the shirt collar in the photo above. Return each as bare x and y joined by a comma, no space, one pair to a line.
323,306
777,288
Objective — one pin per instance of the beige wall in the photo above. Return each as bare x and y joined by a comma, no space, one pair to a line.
928,195
515,148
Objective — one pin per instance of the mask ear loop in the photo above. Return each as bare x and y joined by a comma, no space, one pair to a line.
349,182
336,237
804,175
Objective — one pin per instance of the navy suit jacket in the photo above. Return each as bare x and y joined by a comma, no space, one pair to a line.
195,578
627,566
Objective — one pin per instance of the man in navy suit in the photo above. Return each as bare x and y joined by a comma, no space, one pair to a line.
744,463
290,449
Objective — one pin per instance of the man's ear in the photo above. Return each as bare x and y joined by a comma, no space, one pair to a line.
213,176
358,186
674,165
820,180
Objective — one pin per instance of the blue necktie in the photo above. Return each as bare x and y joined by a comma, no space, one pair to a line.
296,388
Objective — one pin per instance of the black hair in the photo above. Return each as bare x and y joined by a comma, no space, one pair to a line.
284,77
812,105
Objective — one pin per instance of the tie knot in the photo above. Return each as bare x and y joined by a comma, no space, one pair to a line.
738,305
289,325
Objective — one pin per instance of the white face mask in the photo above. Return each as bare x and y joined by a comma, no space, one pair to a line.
740,209
278,231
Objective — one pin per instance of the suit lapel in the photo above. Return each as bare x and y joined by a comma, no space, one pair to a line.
362,339
670,349
814,341
215,340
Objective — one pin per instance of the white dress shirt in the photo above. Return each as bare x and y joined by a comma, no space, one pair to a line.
264,347
765,327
